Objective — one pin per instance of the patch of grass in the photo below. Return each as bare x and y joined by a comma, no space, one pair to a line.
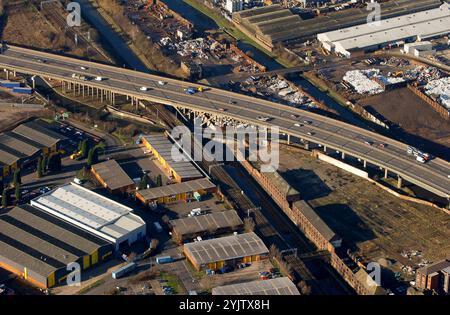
172,281
91,286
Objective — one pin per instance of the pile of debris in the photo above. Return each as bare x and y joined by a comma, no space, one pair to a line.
423,74
361,81
441,90
196,48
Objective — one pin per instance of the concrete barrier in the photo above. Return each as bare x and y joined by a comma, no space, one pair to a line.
340,164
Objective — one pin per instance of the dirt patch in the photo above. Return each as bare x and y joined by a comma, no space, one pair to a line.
370,221
414,116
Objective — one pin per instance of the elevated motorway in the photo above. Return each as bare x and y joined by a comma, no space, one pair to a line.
331,134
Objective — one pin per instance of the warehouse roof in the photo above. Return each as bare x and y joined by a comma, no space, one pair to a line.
438,266
41,242
36,131
208,222
14,147
112,174
277,286
308,28
315,220
371,286
424,24
175,189
89,210
164,147
286,189
226,248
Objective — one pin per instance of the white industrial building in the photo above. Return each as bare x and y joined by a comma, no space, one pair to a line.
93,212
419,49
390,32
234,5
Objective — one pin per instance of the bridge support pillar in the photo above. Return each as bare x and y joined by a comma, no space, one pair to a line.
399,182
385,173
306,145
343,155
82,87
114,99
365,163
288,139
14,73
101,96
324,148
7,74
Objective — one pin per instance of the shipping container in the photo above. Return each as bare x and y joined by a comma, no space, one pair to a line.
10,84
23,90
163,260
123,270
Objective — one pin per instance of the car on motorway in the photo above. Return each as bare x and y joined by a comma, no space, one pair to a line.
368,142
143,88
222,109
162,82
263,118
298,125
448,176
420,159
232,102
79,77
83,68
41,60
294,116
308,122
98,78
189,90
309,133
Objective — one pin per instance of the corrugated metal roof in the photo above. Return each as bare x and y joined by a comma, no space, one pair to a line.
226,248
424,24
438,266
163,146
112,174
207,222
85,208
36,131
174,189
314,219
42,243
277,286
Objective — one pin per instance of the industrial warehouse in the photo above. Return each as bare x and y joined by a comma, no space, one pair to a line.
38,246
277,286
226,251
193,189
268,24
207,224
319,230
25,144
395,31
161,148
111,176
92,212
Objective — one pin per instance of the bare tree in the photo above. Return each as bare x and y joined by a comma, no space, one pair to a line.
304,288
249,225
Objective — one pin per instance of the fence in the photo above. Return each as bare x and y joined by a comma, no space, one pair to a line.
441,110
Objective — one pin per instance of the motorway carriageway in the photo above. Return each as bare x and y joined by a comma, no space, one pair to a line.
333,134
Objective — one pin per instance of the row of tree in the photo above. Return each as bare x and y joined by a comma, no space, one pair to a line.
16,185
48,164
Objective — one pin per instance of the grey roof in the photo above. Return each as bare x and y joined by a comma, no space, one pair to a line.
438,266
285,188
43,243
112,174
424,24
226,248
315,219
174,189
164,147
371,286
36,131
207,222
308,28
277,286
89,210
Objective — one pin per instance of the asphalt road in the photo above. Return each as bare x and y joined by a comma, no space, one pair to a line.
333,134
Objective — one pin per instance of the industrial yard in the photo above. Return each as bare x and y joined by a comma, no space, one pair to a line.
373,223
